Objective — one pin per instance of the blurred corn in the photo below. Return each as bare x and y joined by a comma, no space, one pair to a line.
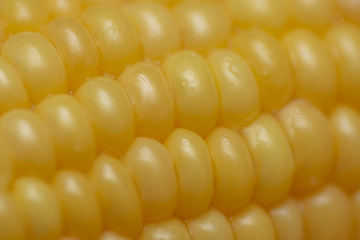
177,120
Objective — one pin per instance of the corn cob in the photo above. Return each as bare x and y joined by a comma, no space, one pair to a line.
177,120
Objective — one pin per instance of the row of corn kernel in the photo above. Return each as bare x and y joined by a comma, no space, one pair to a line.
327,214
311,61
181,58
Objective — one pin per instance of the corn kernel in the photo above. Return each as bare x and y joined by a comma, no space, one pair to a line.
273,159
150,92
192,162
116,37
119,200
71,130
80,208
234,175
24,15
194,89
211,225
149,162
237,88
110,112
39,206
76,47
157,29
40,65
268,59
252,223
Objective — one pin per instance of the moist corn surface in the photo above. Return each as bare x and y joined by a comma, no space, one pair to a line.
179,120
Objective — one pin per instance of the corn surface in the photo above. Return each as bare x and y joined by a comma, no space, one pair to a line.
179,120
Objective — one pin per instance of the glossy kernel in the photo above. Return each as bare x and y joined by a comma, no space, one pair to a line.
110,113
150,164
270,63
211,225
234,175
253,223
345,123
24,15
150,92
40,208
157,28
314,13
194,89
192,161
40,65
288,220
77,48
12,90
312,141
71,130
343,40
273,159
29,143
6,166
116,37
120,202
172,229
203,25
70,8
12,225
81,212
270,14
237,88
315,73
328,215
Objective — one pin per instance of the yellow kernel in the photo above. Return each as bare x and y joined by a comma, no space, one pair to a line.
71,130
252,223
211,225
195,93
116,37
192,161
356,207
237,87
269,14
349,9
203,25
234,175
12,226
288,220
346,127
315,73
23,15
6,166
70,8
150,93
77,48
112,236
310,136
172,229
81,213
3,33
267,58
344,43
157,28
118,197
314,13
110,112
40,208
12,91
273,159
39,64
29,143
328,215
151,167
